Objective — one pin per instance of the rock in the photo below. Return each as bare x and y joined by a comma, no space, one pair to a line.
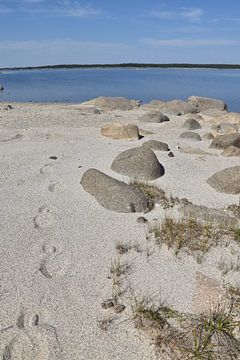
188,135
208,294
109,303
207,137
117,131
154,117
113,194
174,107
89,110
113,103
156,145
224,127
170,154
1,88
224,141
178,107
191,124
203,103
231,151
206,214
142,220
138,163
119,308
195,151
213,114
226,181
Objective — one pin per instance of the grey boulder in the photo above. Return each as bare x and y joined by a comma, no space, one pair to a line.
224,141
231,151
113,194
154,117
191,124
207,137
206,214
226,181
138,163
203,103
156,145
113,103
188,135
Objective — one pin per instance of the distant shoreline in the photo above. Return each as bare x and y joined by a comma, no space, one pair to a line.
124,65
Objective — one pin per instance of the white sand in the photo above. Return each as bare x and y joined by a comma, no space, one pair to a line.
48,222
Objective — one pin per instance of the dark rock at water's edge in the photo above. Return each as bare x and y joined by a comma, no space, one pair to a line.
113,194
1,88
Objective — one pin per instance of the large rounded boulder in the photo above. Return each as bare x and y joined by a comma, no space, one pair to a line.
190,136
118,131
203,103
156,145
226,181
113,194
154,117
138,163
231,151
224,141
191,124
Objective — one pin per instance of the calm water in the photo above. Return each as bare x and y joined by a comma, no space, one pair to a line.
144,84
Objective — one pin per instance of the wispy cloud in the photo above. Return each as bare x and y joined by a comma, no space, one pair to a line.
189,42
191,14
69,8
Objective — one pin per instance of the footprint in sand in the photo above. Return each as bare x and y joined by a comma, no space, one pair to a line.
47,169
33,340
56,187
45,218
55,264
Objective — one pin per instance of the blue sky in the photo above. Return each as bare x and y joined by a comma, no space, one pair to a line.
40,32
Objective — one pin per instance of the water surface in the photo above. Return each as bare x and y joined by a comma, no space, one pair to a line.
76,85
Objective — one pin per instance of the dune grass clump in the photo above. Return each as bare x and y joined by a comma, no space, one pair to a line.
155,194
186,234
176,336
191,235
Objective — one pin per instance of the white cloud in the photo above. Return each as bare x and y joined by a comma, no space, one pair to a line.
189,42
190,14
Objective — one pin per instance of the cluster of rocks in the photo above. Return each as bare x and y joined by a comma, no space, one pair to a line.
141,164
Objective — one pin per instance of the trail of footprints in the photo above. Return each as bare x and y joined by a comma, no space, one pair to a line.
34,340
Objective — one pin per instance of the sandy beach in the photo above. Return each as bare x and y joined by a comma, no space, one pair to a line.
59,246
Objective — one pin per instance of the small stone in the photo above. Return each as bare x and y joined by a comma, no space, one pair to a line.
170,154
53,157
119,308
109,303
142,220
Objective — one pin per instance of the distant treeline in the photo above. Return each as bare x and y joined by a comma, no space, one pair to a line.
126,65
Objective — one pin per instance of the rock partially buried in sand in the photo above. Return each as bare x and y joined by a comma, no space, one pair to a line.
224,141
203,103
154,117
231,151
113,194
113,103
206,214
208,295
226,181
138,163
156,145
191,124
188,135
119,131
